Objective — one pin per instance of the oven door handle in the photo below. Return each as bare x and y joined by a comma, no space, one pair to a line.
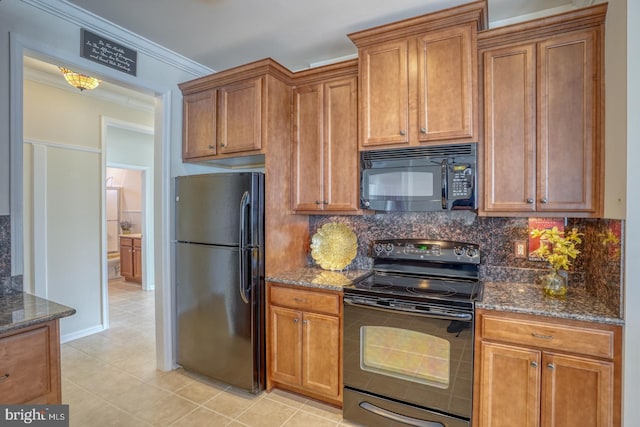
445,316
398,417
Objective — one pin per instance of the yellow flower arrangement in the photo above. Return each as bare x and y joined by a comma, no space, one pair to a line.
557,247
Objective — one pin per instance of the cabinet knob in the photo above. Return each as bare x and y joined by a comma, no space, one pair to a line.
324,202
222,144
403,132
423,130
304,322
296,320
544,201
530,201
211,147
4,377
534,363
551,366
318,202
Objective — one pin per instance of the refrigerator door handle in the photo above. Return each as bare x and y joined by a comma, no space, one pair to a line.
244,203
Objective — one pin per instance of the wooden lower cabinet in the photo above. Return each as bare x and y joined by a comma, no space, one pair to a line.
528,372
304,342
131,259
30,365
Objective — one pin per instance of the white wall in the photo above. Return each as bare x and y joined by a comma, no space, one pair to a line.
63,256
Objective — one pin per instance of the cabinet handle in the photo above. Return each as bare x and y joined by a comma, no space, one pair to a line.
296,320
551,366
530,201
304,322
318,202
423,130
534,363
211,147
403,132
544,201
4,377
300,300
324,202
222,144
542,337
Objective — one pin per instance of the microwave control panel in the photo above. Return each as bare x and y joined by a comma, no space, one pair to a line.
462,181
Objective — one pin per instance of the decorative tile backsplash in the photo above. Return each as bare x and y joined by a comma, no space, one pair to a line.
5,246
598,267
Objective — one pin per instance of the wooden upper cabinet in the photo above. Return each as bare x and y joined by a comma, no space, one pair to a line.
231,114
325,142
240,116
543,116
418,79
199,124
510,129
446,84
385,94
568,153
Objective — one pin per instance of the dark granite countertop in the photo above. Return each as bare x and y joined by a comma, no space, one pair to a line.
314,277
19,310
578,304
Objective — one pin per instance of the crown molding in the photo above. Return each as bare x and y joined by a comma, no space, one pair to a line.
76,15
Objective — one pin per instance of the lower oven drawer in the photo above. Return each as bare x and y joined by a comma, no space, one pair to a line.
373,411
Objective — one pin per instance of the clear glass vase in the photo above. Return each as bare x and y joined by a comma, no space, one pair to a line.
554,284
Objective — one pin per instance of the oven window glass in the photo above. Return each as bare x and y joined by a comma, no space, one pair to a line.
401,183
405,354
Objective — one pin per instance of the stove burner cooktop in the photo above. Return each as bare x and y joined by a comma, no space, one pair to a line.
419,287
423,270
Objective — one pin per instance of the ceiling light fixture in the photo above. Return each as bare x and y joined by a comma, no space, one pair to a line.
79,80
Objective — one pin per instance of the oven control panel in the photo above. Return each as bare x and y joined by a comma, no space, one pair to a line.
427,250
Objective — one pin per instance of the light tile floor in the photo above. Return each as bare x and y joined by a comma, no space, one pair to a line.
110,379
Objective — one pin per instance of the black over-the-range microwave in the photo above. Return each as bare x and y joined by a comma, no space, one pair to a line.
419,179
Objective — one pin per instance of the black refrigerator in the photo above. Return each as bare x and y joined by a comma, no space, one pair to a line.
220,277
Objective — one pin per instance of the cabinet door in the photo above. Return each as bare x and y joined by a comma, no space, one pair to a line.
240,117
286,344
577,391
126,258
308,192
509,129
199,126
568,152
341,172
509,386
137,260
384,106
445,82
321,355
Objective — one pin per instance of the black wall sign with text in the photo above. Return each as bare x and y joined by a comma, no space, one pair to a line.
107,52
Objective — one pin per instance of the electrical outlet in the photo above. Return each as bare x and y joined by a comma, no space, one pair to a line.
521,249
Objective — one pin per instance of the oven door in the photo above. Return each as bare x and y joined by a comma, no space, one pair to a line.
418,359
404,188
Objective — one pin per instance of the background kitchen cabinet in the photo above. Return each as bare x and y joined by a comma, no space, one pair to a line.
131,258
304,342
325,147
30,365
418,79
532,370
543,146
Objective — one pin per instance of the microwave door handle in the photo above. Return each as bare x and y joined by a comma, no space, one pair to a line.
444,168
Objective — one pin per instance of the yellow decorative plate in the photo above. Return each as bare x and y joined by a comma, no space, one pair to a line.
334,246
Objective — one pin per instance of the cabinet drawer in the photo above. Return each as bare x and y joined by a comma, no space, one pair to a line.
126,241
305,300
574,339
24,366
